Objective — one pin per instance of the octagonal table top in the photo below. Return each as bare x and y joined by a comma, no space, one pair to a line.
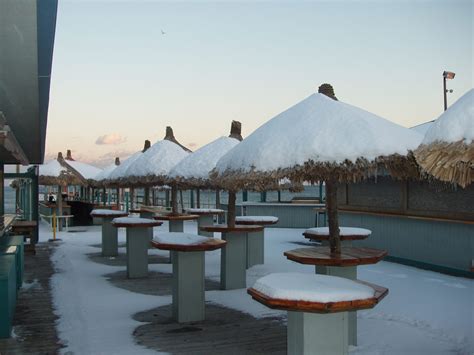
101,213
135,222
176,217
350,256
224,228
315,293
205,211
345,233
186,242
256,220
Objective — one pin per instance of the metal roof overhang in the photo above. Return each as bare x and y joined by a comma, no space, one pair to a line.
27,29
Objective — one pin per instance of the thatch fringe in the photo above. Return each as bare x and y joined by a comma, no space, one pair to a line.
449,162
398,166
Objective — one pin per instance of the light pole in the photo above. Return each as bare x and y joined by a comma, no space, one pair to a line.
447,75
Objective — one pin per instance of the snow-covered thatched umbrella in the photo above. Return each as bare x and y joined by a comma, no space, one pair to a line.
104,174
318,139
117,175
447,151
193,171
56,172
152,167
87,171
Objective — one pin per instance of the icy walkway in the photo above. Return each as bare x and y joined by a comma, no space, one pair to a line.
425,312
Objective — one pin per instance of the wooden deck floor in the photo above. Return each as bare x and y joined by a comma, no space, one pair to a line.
34,321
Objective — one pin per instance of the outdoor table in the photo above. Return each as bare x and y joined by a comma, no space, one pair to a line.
234,254
206,218
256,240
347,234
343,265
188,272
27,229
317,307
138,231
176,220
109,233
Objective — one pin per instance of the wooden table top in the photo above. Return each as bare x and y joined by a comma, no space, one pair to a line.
205,211
321,307
24,224
223,228
176,217
137,225
320,237
241,220
208,245
111,214
349,256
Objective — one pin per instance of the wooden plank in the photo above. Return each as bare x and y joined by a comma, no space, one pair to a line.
350,256
223,228
208,245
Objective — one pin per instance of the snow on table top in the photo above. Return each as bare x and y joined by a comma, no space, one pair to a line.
179,238
204,210
454,124
322,130
158,160
86,170
51,168
343,231
268,219
312,288
105,212
198,164
133,220
119,172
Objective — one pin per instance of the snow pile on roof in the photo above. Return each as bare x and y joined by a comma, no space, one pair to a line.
343,231
423,127
321,130
119,172
104,174
86,170
52,168
198,164
312,288
157,161
180,238
455,124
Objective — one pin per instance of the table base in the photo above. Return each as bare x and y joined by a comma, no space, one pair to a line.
317,334
255,248
109,238
188,286
234,261
137,252
205,220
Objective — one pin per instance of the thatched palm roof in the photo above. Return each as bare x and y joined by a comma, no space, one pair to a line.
193,171
317,139
57,172
117,176
153,166
447,151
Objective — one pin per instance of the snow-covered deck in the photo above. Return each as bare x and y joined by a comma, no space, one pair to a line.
425,312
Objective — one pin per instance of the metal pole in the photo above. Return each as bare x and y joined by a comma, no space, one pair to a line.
444,93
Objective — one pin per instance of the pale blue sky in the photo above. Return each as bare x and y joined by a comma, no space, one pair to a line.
114,72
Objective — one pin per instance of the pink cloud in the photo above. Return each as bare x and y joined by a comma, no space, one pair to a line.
110,139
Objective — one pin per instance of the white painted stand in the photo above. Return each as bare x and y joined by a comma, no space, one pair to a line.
255,248
137,252
317,334
234,261
148,215
109,237
205,220
188,286
176,226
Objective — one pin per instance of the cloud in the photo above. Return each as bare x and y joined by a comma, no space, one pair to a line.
110,139
109,158
192,145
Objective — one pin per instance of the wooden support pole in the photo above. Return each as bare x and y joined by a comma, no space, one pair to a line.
331,206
